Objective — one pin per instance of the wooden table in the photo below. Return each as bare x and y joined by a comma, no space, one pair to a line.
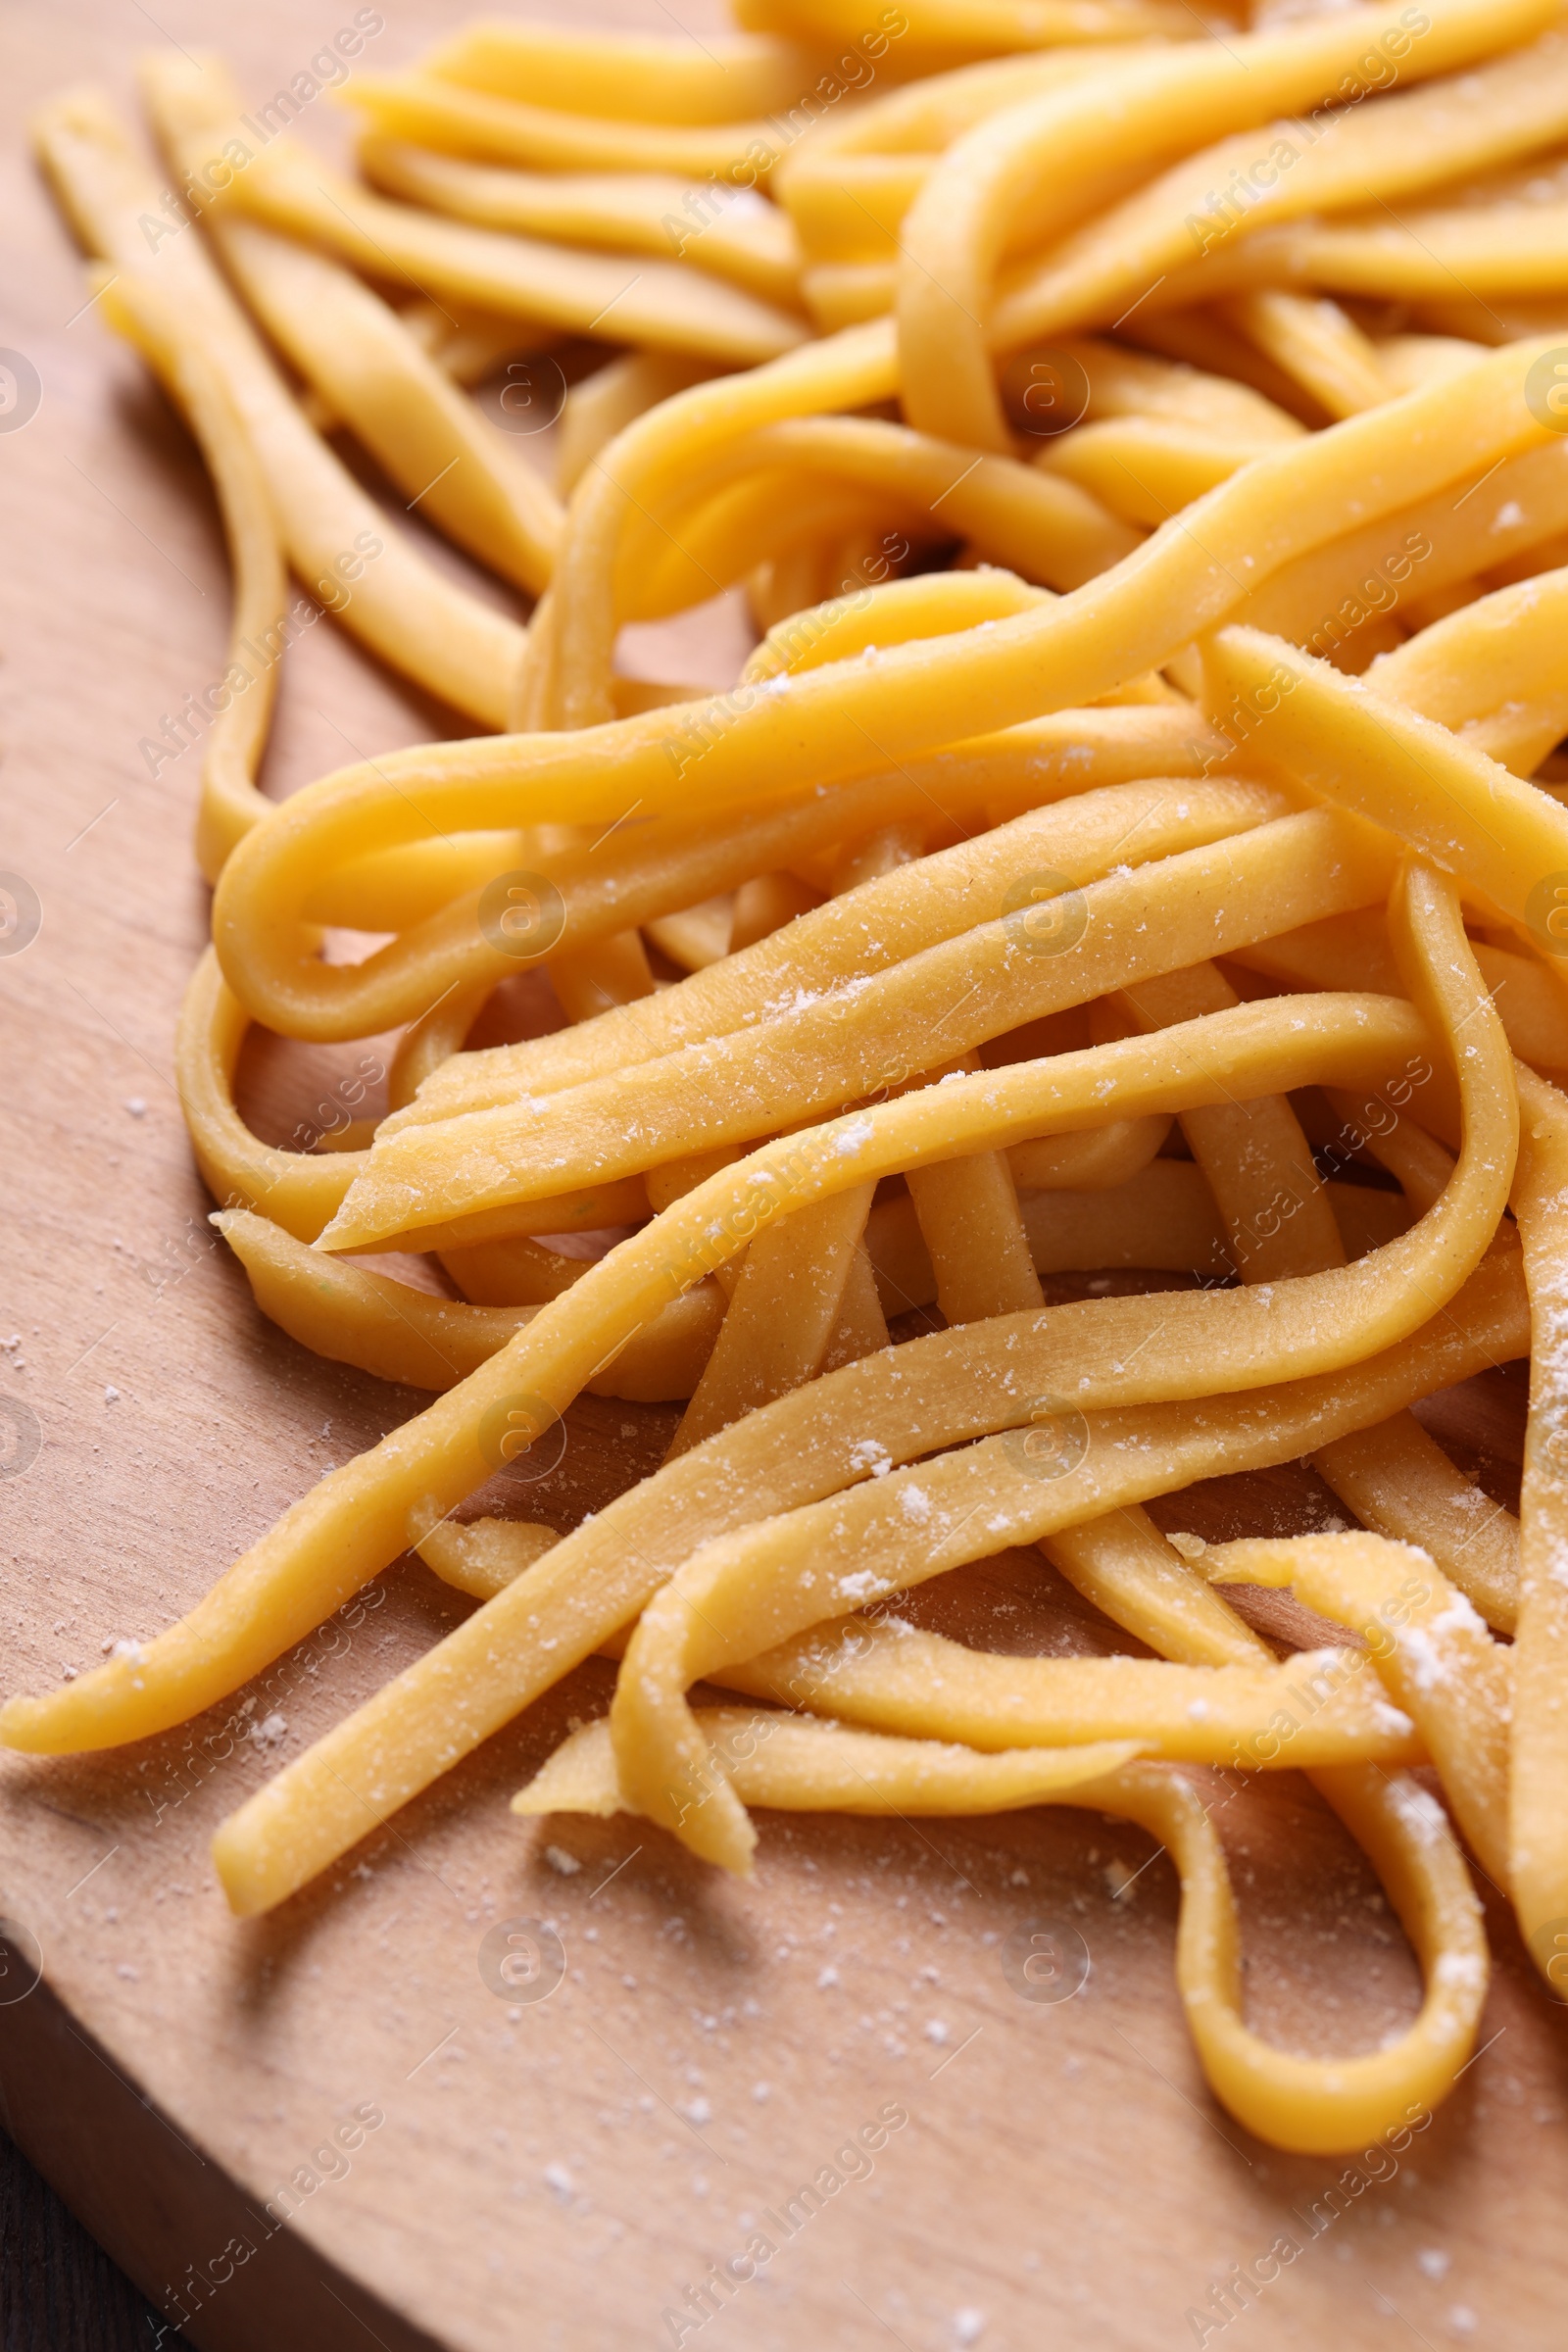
58,2291
560,2172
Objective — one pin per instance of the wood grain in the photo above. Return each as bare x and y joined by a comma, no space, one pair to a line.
58,2291
563,2173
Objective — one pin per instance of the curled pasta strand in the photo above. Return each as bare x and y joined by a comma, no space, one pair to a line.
646,462
1048,528
1310,2105
570,895
484,1555
302,1190
1433,1653
354,1316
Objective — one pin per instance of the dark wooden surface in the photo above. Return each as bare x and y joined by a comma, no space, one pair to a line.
58,2291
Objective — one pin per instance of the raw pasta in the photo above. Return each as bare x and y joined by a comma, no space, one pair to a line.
1135,848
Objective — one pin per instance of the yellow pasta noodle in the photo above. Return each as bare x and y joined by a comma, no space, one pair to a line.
231,801
891,1677
1538,1853
749,242
337,539
1429,1646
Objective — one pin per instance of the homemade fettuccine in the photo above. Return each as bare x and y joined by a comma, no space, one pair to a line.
1080,1014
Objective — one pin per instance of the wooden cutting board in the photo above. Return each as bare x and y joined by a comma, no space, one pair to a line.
340,2125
